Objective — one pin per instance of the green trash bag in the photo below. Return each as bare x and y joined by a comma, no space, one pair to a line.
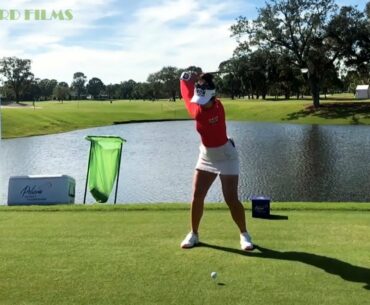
104,162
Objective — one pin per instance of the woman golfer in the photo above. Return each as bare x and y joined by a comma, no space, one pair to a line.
218,155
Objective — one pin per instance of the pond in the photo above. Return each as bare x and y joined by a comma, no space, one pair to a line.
283,161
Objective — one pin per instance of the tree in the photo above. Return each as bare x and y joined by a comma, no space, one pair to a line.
305,30
141,91
169,78
354,41
47,87
331,82
365,39
154,87
33,91
127,89
17,71
254,71
95,87
194,69
61,91
78,84
110,90
230,82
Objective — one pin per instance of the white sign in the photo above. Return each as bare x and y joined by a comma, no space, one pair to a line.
30,190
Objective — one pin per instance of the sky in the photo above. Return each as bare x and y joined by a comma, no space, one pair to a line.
121,40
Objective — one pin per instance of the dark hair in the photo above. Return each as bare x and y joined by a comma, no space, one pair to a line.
208,78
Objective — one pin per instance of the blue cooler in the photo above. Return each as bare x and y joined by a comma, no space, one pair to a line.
260,206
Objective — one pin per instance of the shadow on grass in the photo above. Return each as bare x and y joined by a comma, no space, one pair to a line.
334,111
330,265
274,217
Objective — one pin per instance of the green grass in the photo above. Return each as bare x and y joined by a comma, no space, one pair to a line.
55,117
130,255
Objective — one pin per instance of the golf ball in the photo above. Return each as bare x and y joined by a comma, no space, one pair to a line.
213,275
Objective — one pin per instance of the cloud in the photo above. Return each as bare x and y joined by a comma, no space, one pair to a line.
31,35
62,62
167,11
178,33
102,44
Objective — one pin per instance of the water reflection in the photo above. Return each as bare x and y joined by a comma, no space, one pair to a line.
286,162
315,171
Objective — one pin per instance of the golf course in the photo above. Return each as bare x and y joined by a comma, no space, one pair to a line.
54,117
181,152
307,253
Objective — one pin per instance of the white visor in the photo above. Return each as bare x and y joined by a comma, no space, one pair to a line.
202,96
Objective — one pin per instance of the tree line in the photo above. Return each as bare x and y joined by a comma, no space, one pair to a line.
22,85
293,48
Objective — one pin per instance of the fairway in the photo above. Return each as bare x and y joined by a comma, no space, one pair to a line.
119,255
56,117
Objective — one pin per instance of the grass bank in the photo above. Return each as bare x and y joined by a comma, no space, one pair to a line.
130,255
55,117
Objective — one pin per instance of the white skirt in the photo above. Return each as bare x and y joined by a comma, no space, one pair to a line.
221,160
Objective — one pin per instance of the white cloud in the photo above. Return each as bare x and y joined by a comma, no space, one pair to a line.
178,33
25,35
167,11
61,62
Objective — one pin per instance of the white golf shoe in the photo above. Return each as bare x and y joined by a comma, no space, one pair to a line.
191,240
246,241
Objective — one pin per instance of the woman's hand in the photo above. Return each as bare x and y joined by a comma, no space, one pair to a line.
189,76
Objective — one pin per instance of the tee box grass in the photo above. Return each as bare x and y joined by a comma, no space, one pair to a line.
315,254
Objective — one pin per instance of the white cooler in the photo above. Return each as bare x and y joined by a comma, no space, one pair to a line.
29,190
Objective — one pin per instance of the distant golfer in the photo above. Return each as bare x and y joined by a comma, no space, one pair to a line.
218,155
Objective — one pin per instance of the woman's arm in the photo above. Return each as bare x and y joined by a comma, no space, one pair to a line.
187,84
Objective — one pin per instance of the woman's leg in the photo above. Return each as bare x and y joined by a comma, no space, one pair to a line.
230,192
201,184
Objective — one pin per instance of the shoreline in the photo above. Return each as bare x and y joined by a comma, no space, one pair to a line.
55,118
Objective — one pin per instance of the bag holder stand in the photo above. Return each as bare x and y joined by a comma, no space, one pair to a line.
117,180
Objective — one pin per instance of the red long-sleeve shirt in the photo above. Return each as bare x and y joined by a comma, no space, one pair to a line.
210,122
